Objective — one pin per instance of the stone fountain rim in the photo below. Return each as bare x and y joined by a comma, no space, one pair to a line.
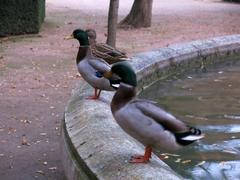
82,161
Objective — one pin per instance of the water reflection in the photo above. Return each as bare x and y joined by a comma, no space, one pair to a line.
229,128
213,170
210,101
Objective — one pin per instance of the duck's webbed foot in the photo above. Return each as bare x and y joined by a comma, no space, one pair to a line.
142,158
138,159
92,97
96,95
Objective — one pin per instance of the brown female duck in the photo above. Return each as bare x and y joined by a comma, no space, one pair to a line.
101,50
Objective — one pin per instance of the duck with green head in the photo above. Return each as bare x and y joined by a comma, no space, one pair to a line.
144,120
91,68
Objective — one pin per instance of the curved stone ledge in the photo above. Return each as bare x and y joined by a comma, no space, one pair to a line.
95,147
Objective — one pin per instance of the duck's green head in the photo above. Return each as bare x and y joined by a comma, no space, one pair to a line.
81,36
125,72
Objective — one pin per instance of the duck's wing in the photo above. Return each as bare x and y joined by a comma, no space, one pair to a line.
109,50
99,65
108,53
167,120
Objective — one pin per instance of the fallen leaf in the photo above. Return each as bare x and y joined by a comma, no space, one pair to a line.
178,160
201,163
78,75
40,172
25,121
37,141
11,130
186,161
229,151
217,80
53,168
169,154
190,116
24,141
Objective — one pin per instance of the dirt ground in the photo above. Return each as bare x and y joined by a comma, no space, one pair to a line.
38,72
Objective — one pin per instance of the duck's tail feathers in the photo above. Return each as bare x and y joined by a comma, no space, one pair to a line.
189,137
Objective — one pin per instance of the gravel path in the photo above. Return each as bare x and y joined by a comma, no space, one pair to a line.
37,72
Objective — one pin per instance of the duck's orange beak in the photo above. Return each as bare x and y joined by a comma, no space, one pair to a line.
108,74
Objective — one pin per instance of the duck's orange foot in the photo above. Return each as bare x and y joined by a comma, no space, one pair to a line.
139,159
92,97
96,95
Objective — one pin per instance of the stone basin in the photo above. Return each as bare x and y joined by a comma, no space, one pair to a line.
95,147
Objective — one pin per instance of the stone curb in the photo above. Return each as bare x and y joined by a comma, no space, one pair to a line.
95,147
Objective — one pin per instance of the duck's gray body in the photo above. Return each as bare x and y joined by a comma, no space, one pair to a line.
145,121
88,66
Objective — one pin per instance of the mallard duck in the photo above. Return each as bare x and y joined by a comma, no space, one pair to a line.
91,68
108,53
144,120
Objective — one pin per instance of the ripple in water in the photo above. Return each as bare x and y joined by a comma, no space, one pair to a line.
211,102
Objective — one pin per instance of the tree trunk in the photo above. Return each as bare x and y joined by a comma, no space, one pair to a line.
112,22
139,16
